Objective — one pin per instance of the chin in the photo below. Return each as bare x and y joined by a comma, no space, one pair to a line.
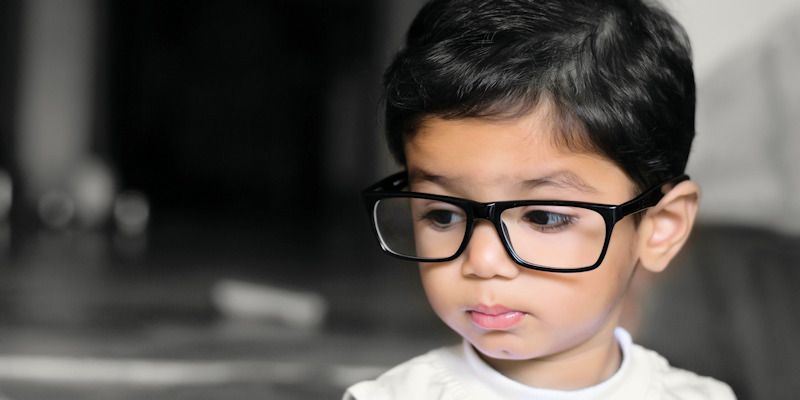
501,349
505,355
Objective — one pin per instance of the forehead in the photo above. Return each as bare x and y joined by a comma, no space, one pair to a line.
484,156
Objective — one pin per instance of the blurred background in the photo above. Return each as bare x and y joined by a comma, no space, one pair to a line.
180,212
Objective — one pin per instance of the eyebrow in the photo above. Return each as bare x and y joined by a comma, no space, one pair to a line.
419,175
560,179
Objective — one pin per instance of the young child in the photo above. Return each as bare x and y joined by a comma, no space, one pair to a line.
544,145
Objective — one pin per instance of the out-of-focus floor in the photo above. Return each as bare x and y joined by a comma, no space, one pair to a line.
98,316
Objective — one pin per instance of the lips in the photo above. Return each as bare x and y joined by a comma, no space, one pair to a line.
497,317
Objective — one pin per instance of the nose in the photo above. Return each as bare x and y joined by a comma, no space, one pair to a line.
485,257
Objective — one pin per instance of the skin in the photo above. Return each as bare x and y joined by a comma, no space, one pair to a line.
565,339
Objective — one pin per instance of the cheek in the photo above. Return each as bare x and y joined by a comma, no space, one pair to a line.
623,251
610,280
440,285
594,295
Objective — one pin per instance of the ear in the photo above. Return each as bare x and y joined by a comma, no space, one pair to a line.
666,227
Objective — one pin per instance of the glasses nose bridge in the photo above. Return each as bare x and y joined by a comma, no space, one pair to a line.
491,213
487,211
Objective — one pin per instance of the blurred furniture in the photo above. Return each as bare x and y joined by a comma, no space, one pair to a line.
728,308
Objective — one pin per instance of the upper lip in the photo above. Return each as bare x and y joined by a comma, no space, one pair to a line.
497,309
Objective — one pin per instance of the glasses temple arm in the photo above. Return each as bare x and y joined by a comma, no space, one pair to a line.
649,198
393,182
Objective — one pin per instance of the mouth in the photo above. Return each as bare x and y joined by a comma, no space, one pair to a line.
496,317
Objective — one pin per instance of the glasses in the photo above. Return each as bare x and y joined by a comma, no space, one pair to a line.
545,235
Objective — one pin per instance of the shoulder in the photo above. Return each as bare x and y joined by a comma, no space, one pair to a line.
668,382
429,376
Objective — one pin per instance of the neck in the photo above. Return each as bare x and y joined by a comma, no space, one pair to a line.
587,364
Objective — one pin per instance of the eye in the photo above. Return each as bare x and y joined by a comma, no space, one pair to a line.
545,220
443,218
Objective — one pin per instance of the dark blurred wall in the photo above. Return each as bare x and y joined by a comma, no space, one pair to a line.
220,107
9,48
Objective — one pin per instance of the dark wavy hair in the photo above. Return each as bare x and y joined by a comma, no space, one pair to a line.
618,73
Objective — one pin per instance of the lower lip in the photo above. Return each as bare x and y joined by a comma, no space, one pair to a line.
497,321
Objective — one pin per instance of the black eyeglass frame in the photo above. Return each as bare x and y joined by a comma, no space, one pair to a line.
391,187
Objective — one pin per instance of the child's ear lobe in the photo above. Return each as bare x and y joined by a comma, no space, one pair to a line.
666,227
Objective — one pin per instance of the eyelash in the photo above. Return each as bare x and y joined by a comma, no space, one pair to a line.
429,218
562,221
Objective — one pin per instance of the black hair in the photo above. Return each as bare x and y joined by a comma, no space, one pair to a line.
618,73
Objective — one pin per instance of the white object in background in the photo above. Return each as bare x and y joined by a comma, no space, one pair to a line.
251,301
720,28
747,147
131,213
92,186
56,90
56,209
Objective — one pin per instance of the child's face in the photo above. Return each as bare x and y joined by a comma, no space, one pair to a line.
540,315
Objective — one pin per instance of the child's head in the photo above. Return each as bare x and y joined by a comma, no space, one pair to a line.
568,105
617,75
